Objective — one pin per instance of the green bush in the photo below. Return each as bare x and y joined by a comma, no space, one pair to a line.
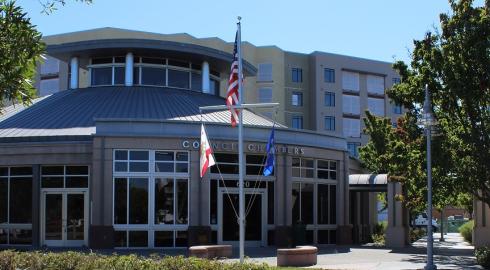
483,256
12,260
416,234
466,230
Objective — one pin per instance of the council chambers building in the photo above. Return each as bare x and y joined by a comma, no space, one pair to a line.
108,155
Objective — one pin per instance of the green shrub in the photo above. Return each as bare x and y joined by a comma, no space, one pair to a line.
416,233
466,230
483,256
12,260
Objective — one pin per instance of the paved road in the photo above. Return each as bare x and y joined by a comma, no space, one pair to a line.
454,253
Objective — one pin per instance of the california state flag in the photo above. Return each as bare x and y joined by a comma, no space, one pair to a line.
207,159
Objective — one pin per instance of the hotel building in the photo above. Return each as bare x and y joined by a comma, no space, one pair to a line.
108,155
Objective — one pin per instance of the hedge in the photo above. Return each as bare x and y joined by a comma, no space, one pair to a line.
13,260
466,230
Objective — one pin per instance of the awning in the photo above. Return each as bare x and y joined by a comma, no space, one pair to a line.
368,182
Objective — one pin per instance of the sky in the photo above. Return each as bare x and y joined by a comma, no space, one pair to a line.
377,29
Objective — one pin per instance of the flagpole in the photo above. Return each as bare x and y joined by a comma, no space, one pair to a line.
240,146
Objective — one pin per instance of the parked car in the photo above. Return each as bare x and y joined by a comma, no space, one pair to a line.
421,221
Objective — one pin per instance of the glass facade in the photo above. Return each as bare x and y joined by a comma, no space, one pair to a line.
151,195
314,198
15,205
151,71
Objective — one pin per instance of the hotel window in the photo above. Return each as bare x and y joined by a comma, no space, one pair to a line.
303,167
396,80
302,201
326,202
353,149
64,176
397,109
107,71
351,127
329,75
264,73
351,105
265,95
375,84
255,165
151,207
297,122
329,123
171,162
350,81
15,205
297,99
326,169
297,75
131,161
50,66
228,163
49,86
329,99
376,106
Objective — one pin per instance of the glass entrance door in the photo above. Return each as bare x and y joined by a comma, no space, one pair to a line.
256,215
64,219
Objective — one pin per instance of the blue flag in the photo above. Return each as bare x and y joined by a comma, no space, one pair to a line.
270,160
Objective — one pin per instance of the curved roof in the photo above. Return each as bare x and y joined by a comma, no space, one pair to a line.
368,179
144,46
74,112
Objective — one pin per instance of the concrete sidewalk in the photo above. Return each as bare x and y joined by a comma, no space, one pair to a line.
454,253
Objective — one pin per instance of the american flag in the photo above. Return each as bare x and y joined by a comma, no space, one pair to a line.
232,94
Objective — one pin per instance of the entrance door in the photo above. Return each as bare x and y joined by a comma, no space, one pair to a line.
255,221
64,219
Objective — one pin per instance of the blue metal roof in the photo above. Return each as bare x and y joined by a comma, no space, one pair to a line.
73,112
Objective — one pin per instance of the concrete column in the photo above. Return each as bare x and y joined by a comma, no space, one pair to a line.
344,228
195,198
205,78
288,187
74,73
129,69
279,207
481,231
36,208
397,230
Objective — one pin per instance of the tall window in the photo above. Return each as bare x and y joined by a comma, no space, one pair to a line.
375,84
351,104
314,197
151,198
297,99
297,122
265,95
330,123
351,127
15,205
376,106
329,75
264,73
350,81
353,149
303,167
107,71
297,75
397,109
329,99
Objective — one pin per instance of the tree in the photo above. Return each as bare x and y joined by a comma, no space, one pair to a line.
49,6
456,66
21,48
